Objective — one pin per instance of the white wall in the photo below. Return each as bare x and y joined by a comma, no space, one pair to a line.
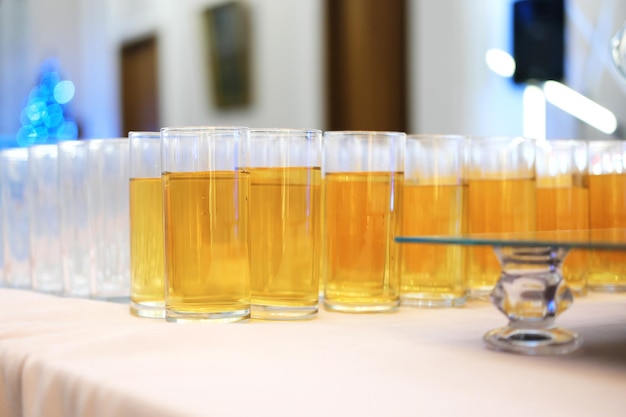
287,83
14,45
451,89
454,91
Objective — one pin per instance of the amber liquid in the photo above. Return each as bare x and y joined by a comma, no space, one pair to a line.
495,205
432,275
147,273
206,245
284,236
360,258
607,210
566,208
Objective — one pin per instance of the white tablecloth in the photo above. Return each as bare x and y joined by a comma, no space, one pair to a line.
72,357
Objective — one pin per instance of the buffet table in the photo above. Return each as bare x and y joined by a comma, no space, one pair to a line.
73,357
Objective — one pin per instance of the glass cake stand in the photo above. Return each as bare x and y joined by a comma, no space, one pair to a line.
531,291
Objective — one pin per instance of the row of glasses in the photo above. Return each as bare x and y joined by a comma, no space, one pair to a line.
458,185
523,185
65,218
243,225
225,223
257,220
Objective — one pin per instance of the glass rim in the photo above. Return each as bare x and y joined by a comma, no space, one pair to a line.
201,129
280,130
562,143
18,154
437,135
143,134
71,143
106,140
42,146
43,150
501,138
605,142
368,133
421,136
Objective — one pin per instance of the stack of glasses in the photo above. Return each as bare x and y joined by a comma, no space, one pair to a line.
228,223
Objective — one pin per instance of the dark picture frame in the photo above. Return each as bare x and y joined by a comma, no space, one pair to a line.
228,32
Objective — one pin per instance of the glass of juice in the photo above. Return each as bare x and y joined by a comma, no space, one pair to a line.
363,176
285,182
206,190
147,274
433,275
562,200
500,181
607,210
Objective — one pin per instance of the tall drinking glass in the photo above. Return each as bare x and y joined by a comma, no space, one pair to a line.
107,208
14,169
285,178
607,210
147,270
500,198
205,199
562,199
433,275
45,231
363,176
73,187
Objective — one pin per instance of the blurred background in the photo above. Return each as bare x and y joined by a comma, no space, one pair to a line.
101,68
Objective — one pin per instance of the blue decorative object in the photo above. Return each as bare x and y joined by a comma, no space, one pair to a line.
45,117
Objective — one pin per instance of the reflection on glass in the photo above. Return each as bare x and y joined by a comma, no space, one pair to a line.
618,50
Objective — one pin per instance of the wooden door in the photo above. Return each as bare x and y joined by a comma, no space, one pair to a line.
366,65
140,95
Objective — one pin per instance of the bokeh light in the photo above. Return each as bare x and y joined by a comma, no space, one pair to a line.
45,117
64,92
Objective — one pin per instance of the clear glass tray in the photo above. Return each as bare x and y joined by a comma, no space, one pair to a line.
601,239
531,291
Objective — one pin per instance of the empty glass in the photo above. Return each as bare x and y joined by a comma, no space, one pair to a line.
107,211
73,187
45,231
14,183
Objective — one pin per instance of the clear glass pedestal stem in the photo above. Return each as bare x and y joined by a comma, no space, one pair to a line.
531,292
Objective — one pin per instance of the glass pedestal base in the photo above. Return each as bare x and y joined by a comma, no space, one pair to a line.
531,292
529,341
